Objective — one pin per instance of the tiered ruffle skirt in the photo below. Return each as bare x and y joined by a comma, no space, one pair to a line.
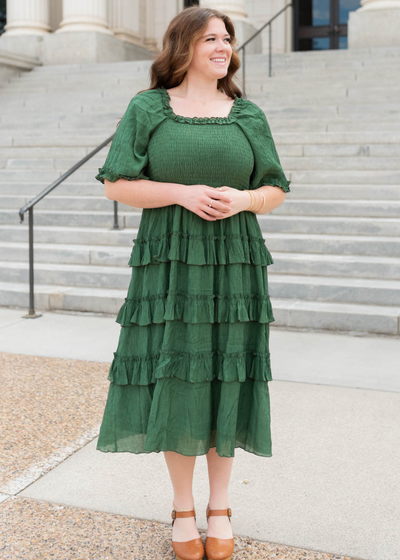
192,365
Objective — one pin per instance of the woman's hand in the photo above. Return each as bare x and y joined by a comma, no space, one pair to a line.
197,199
240,201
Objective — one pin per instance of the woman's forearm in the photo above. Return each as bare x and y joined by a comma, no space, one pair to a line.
273,196
143,193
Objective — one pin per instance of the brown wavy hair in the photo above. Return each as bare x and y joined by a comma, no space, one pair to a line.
169,68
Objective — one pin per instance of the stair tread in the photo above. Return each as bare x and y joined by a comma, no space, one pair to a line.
279,303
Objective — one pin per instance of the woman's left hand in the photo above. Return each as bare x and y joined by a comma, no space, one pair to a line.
240,201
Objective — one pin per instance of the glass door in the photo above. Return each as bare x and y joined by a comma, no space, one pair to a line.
2,15
322,24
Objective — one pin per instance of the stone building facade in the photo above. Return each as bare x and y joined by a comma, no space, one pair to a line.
68,31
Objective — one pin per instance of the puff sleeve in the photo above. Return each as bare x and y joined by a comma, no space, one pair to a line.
267,166
127,157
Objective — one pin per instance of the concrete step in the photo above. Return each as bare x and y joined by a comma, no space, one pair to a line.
62,298
317,125
347,266
60,121
330,289
66,253
66,188
58,163
89,276
73,235
346,317
321,225
67,203
67,139
68,218
52,152
354,208
332,137
357,163
301,243
344,192
370,177
364,151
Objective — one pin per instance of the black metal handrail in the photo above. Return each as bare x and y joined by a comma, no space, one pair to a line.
243,47
29,207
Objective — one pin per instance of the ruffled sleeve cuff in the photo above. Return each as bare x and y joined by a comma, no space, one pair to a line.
282,183
112,176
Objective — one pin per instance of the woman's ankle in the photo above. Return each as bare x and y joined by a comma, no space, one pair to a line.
183,505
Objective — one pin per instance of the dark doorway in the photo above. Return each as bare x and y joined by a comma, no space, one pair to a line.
3,19
322,24
188,3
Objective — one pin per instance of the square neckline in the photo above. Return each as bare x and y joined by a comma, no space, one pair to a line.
166,98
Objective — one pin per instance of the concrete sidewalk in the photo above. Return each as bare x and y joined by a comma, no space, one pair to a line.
331,486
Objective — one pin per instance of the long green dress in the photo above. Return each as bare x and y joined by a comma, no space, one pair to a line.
192,365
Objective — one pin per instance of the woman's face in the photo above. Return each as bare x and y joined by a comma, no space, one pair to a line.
213,44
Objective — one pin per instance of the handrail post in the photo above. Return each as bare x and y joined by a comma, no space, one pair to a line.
32,313
116,225
270,48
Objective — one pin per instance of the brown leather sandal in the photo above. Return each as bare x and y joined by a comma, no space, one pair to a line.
187,550
219,549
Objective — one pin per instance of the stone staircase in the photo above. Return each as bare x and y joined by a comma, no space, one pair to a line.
335,118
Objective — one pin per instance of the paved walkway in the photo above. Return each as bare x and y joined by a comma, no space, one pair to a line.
331,489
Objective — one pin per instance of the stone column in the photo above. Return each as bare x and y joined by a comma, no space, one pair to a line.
84,15
124,20
27,17
244,29
232,8
375,24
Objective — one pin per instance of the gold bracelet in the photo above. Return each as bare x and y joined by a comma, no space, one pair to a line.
254,201
254,194
263,204
251,199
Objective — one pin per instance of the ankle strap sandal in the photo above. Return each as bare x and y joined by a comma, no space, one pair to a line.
219,549
187,550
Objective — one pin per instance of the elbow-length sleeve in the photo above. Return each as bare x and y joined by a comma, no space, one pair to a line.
267,166
127,157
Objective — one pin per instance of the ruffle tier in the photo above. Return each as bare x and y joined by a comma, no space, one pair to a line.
180,306
195,367
200,249
188,418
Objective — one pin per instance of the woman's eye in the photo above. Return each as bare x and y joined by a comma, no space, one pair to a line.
227,39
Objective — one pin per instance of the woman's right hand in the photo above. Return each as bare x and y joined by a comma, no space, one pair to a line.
197,198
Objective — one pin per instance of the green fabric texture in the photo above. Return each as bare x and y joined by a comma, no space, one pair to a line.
192,365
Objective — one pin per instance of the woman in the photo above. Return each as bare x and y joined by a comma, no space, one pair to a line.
190,374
